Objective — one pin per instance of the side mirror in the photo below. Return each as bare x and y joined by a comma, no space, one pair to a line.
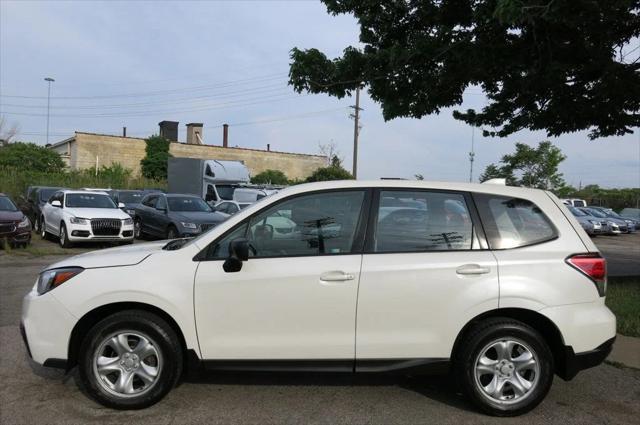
120,205
56,204
238,252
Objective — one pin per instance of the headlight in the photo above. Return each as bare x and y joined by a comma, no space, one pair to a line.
24,223
53,278
189,225
131,212
127,221
77,220
594,222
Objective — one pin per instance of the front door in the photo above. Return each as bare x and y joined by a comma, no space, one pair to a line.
425,274
295,298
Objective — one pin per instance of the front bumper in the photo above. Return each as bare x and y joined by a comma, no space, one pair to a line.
573,363
84,233
46,328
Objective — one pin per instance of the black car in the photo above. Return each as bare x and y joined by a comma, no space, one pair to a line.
171,216
130,198
36,197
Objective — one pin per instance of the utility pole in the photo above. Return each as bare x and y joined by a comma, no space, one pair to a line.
356,132
48,80
472,154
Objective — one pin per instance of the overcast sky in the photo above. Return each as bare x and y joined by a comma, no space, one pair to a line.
134,64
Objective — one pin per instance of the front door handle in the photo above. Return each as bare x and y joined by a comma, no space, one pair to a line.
469,269
336,276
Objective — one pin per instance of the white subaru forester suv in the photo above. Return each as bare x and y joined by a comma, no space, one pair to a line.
499,286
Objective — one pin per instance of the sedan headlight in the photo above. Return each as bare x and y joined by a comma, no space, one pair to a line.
78,220
24,223
50,279
189,225
127,221
594,222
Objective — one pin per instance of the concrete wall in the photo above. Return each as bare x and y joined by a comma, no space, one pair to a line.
128,151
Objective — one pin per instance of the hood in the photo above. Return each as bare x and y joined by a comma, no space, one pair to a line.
199,217
11,215
111,257
97,213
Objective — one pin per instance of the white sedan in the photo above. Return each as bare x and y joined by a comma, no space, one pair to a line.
84,216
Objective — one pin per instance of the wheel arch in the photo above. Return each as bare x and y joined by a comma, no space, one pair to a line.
545,326
86,322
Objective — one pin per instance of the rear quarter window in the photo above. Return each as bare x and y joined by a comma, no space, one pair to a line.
513,222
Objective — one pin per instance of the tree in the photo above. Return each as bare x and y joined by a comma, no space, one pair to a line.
335,171
154,164
7,133
530,167
30,157
555,65
276,177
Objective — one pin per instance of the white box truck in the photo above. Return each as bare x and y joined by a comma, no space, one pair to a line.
213,180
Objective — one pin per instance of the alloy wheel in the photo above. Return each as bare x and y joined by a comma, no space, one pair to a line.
506,371
127,364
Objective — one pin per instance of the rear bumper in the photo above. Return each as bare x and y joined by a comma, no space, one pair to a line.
574,363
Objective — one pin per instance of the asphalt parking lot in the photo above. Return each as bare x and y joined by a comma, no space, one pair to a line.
31,394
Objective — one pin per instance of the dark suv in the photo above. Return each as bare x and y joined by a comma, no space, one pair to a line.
37,196
15,227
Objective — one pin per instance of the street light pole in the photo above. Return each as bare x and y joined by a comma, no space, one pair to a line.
49,80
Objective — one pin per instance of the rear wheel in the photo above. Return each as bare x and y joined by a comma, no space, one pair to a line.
130,360
505,367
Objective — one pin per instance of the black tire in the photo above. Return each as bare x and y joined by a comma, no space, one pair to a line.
172,232
158,332
43,229
36,225
64,237
137,229
474,345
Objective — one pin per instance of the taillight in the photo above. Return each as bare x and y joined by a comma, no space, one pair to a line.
594,267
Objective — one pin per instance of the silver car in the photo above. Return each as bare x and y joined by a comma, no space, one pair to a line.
615,226
631,224
592,225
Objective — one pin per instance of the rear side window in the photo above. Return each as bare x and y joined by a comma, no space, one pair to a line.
513,222
421,221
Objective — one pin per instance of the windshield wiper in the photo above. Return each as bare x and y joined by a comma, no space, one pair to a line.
175,244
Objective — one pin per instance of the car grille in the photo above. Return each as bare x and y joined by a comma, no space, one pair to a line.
207,226
7,227
106,226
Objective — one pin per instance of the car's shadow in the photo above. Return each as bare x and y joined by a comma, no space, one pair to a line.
440,388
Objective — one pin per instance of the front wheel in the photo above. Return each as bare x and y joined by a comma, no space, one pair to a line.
172,232
43,229
505,367
130,360
64,237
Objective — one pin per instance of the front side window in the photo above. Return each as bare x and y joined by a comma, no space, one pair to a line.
418,221
513,222
314,224
150,201
88,200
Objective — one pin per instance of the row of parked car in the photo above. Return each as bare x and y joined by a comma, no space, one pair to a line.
107,215
604,221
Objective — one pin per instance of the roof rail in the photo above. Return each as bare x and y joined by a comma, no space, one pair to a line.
502,182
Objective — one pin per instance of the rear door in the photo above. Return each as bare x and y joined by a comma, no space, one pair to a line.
425,272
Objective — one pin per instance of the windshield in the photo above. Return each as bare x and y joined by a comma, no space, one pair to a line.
577,212
6,204
187,203
88,200
130,197
613,214
597,213
45,194
226,191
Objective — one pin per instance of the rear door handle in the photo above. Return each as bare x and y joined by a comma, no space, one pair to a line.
469,269
336,276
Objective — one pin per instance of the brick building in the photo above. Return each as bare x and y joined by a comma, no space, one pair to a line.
85,150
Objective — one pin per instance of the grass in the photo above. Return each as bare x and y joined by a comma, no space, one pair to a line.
623,298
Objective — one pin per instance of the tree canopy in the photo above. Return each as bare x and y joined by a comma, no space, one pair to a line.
276,177
155,163
529,167
335,171
554,65
30,157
